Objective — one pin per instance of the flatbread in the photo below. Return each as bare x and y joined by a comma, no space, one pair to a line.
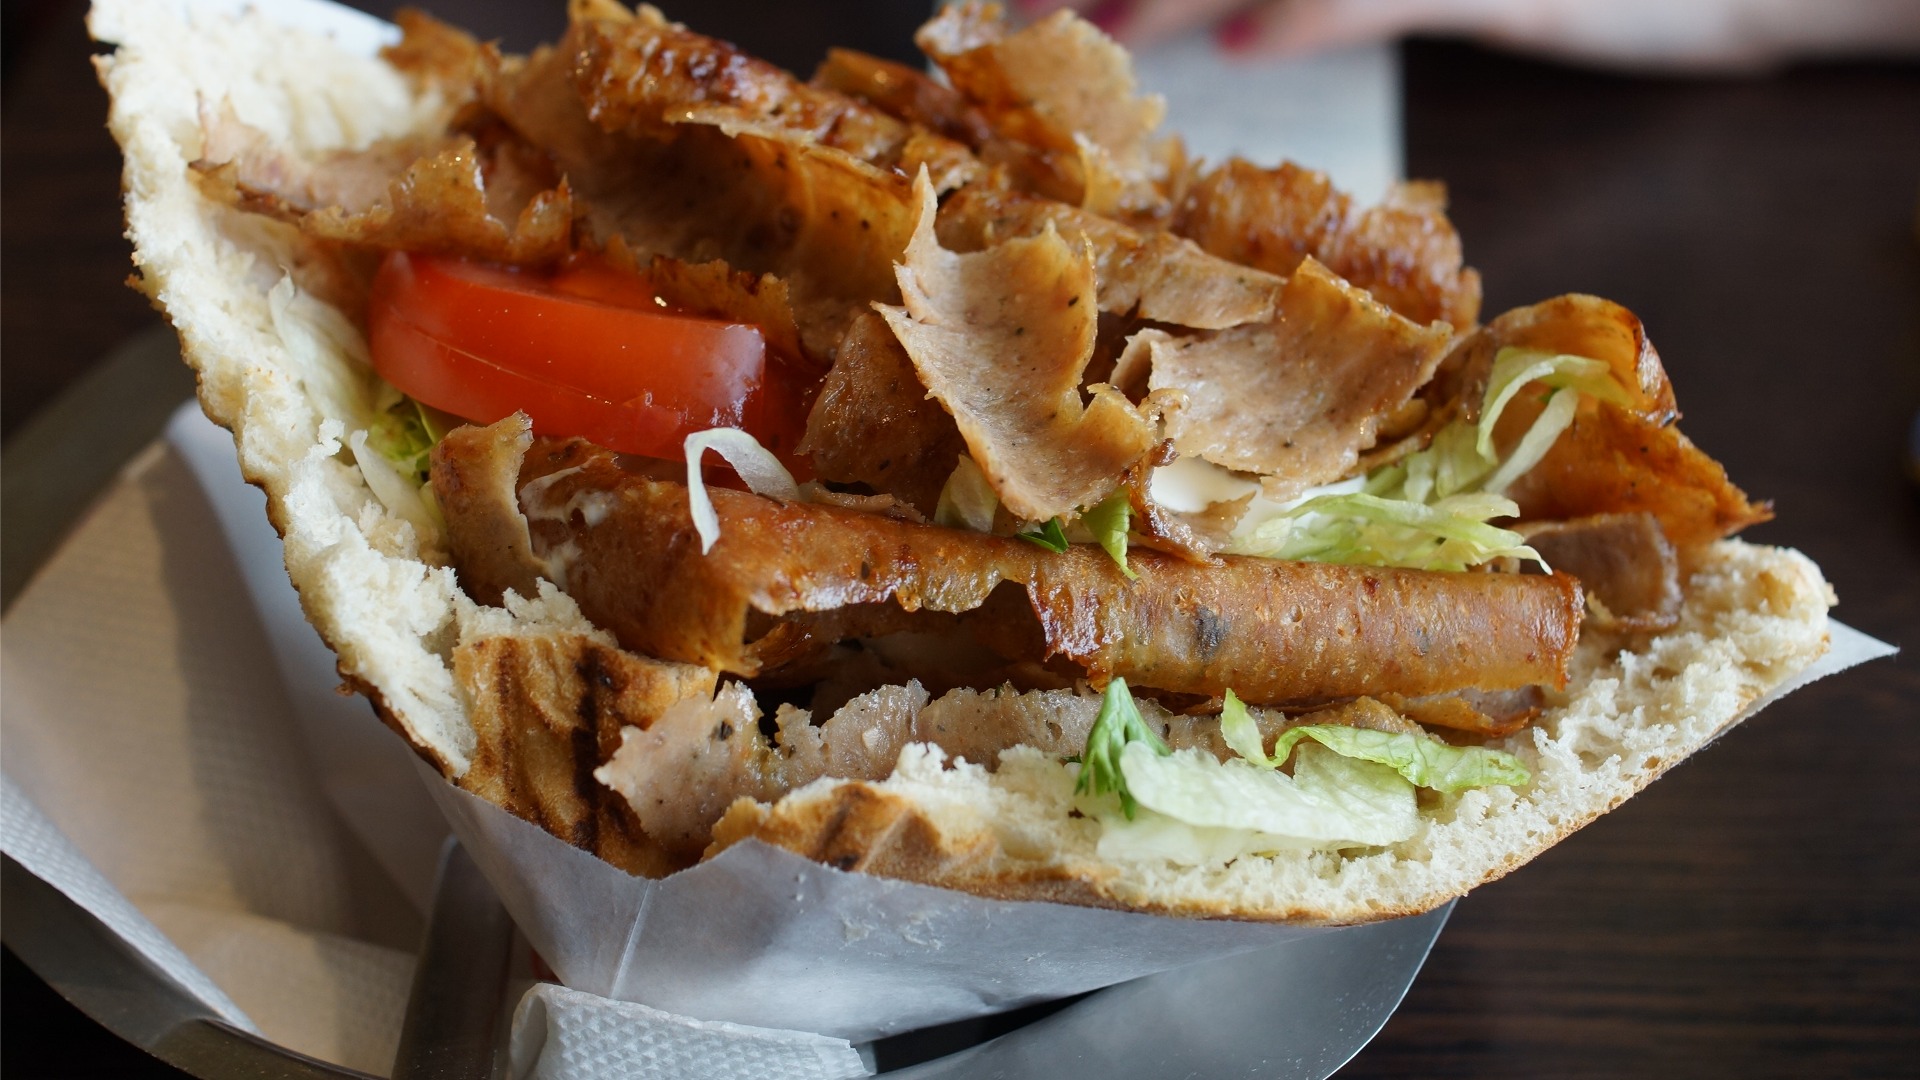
261,313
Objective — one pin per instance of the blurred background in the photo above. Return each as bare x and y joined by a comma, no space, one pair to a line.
1757,204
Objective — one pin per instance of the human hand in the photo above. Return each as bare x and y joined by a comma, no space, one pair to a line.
1696,34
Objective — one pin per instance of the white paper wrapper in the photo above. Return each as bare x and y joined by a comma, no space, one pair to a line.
762,936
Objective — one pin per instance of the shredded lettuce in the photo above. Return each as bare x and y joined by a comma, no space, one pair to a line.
404,499
404,432
967,500
1419,758
394,454
1554,419
1514,368
1052,536
1449,465
1434,509
1329,802
757,467
1118,727
1450,534
1108,524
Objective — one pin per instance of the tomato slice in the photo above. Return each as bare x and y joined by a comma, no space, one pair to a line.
588,351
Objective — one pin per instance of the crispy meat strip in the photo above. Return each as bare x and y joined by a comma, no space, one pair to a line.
873,423
827,222
1578,325
444,194
1150,273
1155,525
1001,338
1613,459
1271,631
1295,399
1064,89
642,75
718,291
439,55
905,92
1482,712
1403,251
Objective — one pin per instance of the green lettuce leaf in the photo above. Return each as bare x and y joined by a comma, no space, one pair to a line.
1118,726
1108,524
1052,536
1419,758
1451,534
1329,802
404,432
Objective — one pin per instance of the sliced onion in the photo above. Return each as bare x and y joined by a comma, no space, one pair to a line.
755,465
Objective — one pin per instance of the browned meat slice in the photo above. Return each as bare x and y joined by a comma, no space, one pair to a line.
829,223
1295,399
718,291
1064,89
1629,571
642,75
1155,525
905,92
1574,324
444,195
476,483
874,424
1614,459
1149,273
1403,251
1271,631
437,54
1613,462
1482,712
1001,338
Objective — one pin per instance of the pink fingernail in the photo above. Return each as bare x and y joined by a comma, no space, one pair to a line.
1237,33
1110,15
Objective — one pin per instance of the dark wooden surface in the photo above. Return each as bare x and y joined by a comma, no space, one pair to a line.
1757,912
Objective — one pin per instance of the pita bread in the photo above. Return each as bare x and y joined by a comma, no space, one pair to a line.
512,701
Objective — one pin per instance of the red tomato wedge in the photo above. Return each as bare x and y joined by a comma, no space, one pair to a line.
587,351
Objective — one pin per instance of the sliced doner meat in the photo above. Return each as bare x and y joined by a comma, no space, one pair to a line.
625,548
1001,338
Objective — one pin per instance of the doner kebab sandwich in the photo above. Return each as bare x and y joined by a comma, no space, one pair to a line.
946,479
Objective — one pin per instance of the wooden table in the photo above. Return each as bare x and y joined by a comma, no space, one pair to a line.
1757,912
